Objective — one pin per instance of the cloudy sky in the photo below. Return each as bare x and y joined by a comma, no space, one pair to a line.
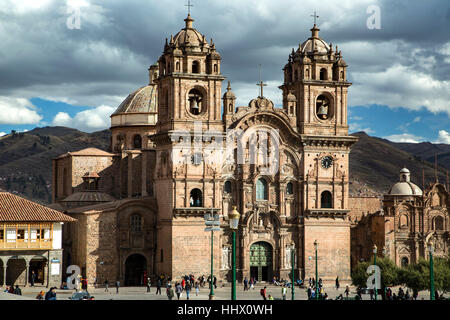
54,73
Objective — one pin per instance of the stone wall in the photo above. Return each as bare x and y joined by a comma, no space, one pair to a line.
333,237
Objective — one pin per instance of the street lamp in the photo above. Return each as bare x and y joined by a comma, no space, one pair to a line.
292,266
234,224
212,223
317,277
375,263
431,250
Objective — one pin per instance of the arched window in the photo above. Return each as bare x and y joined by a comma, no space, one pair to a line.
261,189
195,101
342,75
403,220
323,74
195,199
326,200
137,142
227,187
323,107
230,107
136,223
307,73
178,66
438,223
404,262
289,188
215,68
195,67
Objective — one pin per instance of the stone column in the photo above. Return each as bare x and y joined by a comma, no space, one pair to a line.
27,267
144,174
5,266
130,175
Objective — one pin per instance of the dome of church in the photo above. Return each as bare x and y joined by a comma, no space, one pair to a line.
341,63
229,94
142,100
314,43
405,187
189,36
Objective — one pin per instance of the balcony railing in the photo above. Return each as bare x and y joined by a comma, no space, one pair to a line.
26,236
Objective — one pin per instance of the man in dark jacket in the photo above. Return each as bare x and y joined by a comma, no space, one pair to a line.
18,291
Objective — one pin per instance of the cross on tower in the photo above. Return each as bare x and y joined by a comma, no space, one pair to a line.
189,5
315,17
261,84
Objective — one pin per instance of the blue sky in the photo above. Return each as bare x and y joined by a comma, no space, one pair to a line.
54,74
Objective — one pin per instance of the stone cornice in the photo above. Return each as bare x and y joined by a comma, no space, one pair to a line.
328,141
333,213
193,212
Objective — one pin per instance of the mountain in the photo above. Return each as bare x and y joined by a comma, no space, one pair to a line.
25,158
375,163
26,166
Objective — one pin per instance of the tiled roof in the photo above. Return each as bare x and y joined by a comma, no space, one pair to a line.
87,152
14,208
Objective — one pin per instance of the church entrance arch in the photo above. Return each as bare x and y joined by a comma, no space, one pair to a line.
135,266
261,267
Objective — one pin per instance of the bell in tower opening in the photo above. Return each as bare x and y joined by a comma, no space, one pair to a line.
195,99
323,107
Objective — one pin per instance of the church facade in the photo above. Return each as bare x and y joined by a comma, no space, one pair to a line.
181,149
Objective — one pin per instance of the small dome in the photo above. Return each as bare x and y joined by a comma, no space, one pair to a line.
405,188
229,94
189,36
291,98
318,44
404,170
305,60
341,63
142,100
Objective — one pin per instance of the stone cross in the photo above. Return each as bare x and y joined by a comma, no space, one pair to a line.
315,17
261,84
189,5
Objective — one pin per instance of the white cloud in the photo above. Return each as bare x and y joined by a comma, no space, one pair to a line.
88,120
405,137
416,119
444,137
401,86
3,134
18,111
357,127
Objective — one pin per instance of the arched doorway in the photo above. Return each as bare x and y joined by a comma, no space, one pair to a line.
16,270
135,266
261,261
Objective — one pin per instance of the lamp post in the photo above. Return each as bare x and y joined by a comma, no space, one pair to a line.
293,265
375,263
317,277
212,223
234,224
431,250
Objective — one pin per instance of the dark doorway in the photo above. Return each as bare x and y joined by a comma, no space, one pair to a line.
135,266
38,266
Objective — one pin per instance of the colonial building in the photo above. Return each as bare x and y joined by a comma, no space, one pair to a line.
414,218
181,149
30,241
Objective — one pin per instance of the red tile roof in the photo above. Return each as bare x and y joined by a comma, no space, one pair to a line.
14,208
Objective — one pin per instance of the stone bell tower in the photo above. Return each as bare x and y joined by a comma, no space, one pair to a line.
188,182
315,77
189,81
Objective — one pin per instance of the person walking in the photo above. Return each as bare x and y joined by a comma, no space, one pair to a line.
245,284
263,293
283,291
117,286
197,288
158,286
188,289
347,291
33,278
149,284
215,282
178,290
252,284
337,283
106,285
169,292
